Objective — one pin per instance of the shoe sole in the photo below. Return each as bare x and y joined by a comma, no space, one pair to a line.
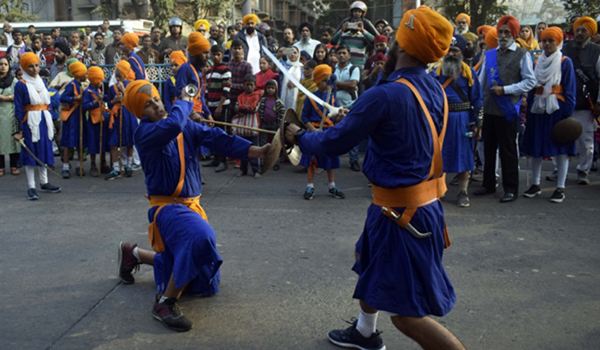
140,168
33,198
557,200
350,346
157,317
551,178
583,182
51,191
464,205
120,247
531,195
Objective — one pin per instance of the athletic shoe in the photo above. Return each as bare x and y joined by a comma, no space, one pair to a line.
582,178
169,314
483,191
336,193
50,166
238,164
136,167
558,196
77,172
65,174
221,167
508,197
533,191
351,338
93,170
355,166
257,175
127,263
105,168
112,175
128,171
463,199
553,176
49,188
454,181
32,194
309,193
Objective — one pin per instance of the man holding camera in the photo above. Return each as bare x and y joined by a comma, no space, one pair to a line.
354,35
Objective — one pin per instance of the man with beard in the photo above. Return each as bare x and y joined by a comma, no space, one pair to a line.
98,52
470,49
586,61
463,21
176,41
465,102
506,74
288,37
61,53
252,41
481,33
306,43
404,118
381,42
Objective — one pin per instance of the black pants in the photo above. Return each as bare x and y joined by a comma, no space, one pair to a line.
223,118
499,133
14,159
254,162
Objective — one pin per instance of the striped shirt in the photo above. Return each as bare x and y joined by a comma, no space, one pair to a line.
270,110
218,84
357,44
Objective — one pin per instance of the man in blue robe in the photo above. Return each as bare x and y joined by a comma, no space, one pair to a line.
178,231
400,250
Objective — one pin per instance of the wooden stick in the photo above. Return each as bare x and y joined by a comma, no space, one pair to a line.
121,140
100,152
81,138
239,126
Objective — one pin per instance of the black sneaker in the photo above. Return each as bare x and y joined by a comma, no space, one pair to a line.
128,171
128,263
355,166
77,172
463,199
50,188
336,193
533,191
93,170
112,175
351,338
105,168
32,194
309,193
169,314
65,174
558,196
582,178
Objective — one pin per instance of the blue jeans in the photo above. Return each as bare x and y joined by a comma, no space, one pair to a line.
353,154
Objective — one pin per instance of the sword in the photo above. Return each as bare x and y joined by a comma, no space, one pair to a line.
409,227
332,110
37,159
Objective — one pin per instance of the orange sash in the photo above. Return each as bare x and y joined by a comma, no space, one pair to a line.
31,108
556,90
65,112
430,189
96,114
197,100
328,123
114,112
193,203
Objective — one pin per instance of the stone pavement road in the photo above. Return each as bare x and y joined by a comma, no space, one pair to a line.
526,274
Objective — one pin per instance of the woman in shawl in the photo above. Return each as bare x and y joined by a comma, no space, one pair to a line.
289,91
32,110
8,145
551,101
265,74
539,28
526,39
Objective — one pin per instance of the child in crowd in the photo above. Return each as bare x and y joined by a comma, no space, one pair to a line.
54,107
177,58
308,83
265,74
246,109
93,103
270,113
124,76
71,116
312,114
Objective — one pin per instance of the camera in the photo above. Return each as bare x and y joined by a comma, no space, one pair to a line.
353,26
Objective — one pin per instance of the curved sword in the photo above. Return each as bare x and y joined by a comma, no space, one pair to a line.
37,159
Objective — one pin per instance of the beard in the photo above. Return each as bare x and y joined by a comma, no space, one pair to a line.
60,59
451,66
462,31
504,43
305,39
249,30
580,44
392,58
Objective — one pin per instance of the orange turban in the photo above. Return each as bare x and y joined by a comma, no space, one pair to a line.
588,23
425,34
125,69
465,16
554,33
137,94
178,58
27,59
491,38
197,44
484,29
320,72
512,23
131,40
95,75
252,17
201,22
78,69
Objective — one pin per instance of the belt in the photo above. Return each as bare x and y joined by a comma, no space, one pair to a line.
460,107
31,108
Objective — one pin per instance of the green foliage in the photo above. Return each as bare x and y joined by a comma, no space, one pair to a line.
15,11
589,8
105,9
481,11
198,9
163,11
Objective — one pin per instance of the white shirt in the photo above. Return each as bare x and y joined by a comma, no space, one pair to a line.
310,47
9,39
253,52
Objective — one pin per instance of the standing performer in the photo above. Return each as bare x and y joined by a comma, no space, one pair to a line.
93,102
120,116
32,105
177,59
400,265
552,101
70,116
128,43
465,100
179,231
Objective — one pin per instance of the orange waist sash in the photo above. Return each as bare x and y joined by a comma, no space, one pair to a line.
556,90
31,108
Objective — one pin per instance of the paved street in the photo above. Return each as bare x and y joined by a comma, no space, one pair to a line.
526,274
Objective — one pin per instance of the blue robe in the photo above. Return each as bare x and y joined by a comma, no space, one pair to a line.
537,141
93,130
43,148
170,93
398,273
309,114
70,128
457,150
137,66
130,123
54,103
190,242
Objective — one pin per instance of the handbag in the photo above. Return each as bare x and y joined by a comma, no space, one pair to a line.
245,119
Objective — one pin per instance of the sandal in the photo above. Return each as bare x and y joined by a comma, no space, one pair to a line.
1,172
15,171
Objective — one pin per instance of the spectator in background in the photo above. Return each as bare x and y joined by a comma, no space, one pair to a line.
77,49
272,43
98,53
56,37
17,49
239,69
239,24
306,43
381,42
36,46
106,29
61,54
8,33
380,24
570,33
176,41
147,52
308,83
155,33
215,35
471,48
231,33
31,30
253,42
129,42
288,37
112,54
289,92
320,55
389,32
221,34
354,36
359,9
265,73
370,76
304,57
326,35
48,52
